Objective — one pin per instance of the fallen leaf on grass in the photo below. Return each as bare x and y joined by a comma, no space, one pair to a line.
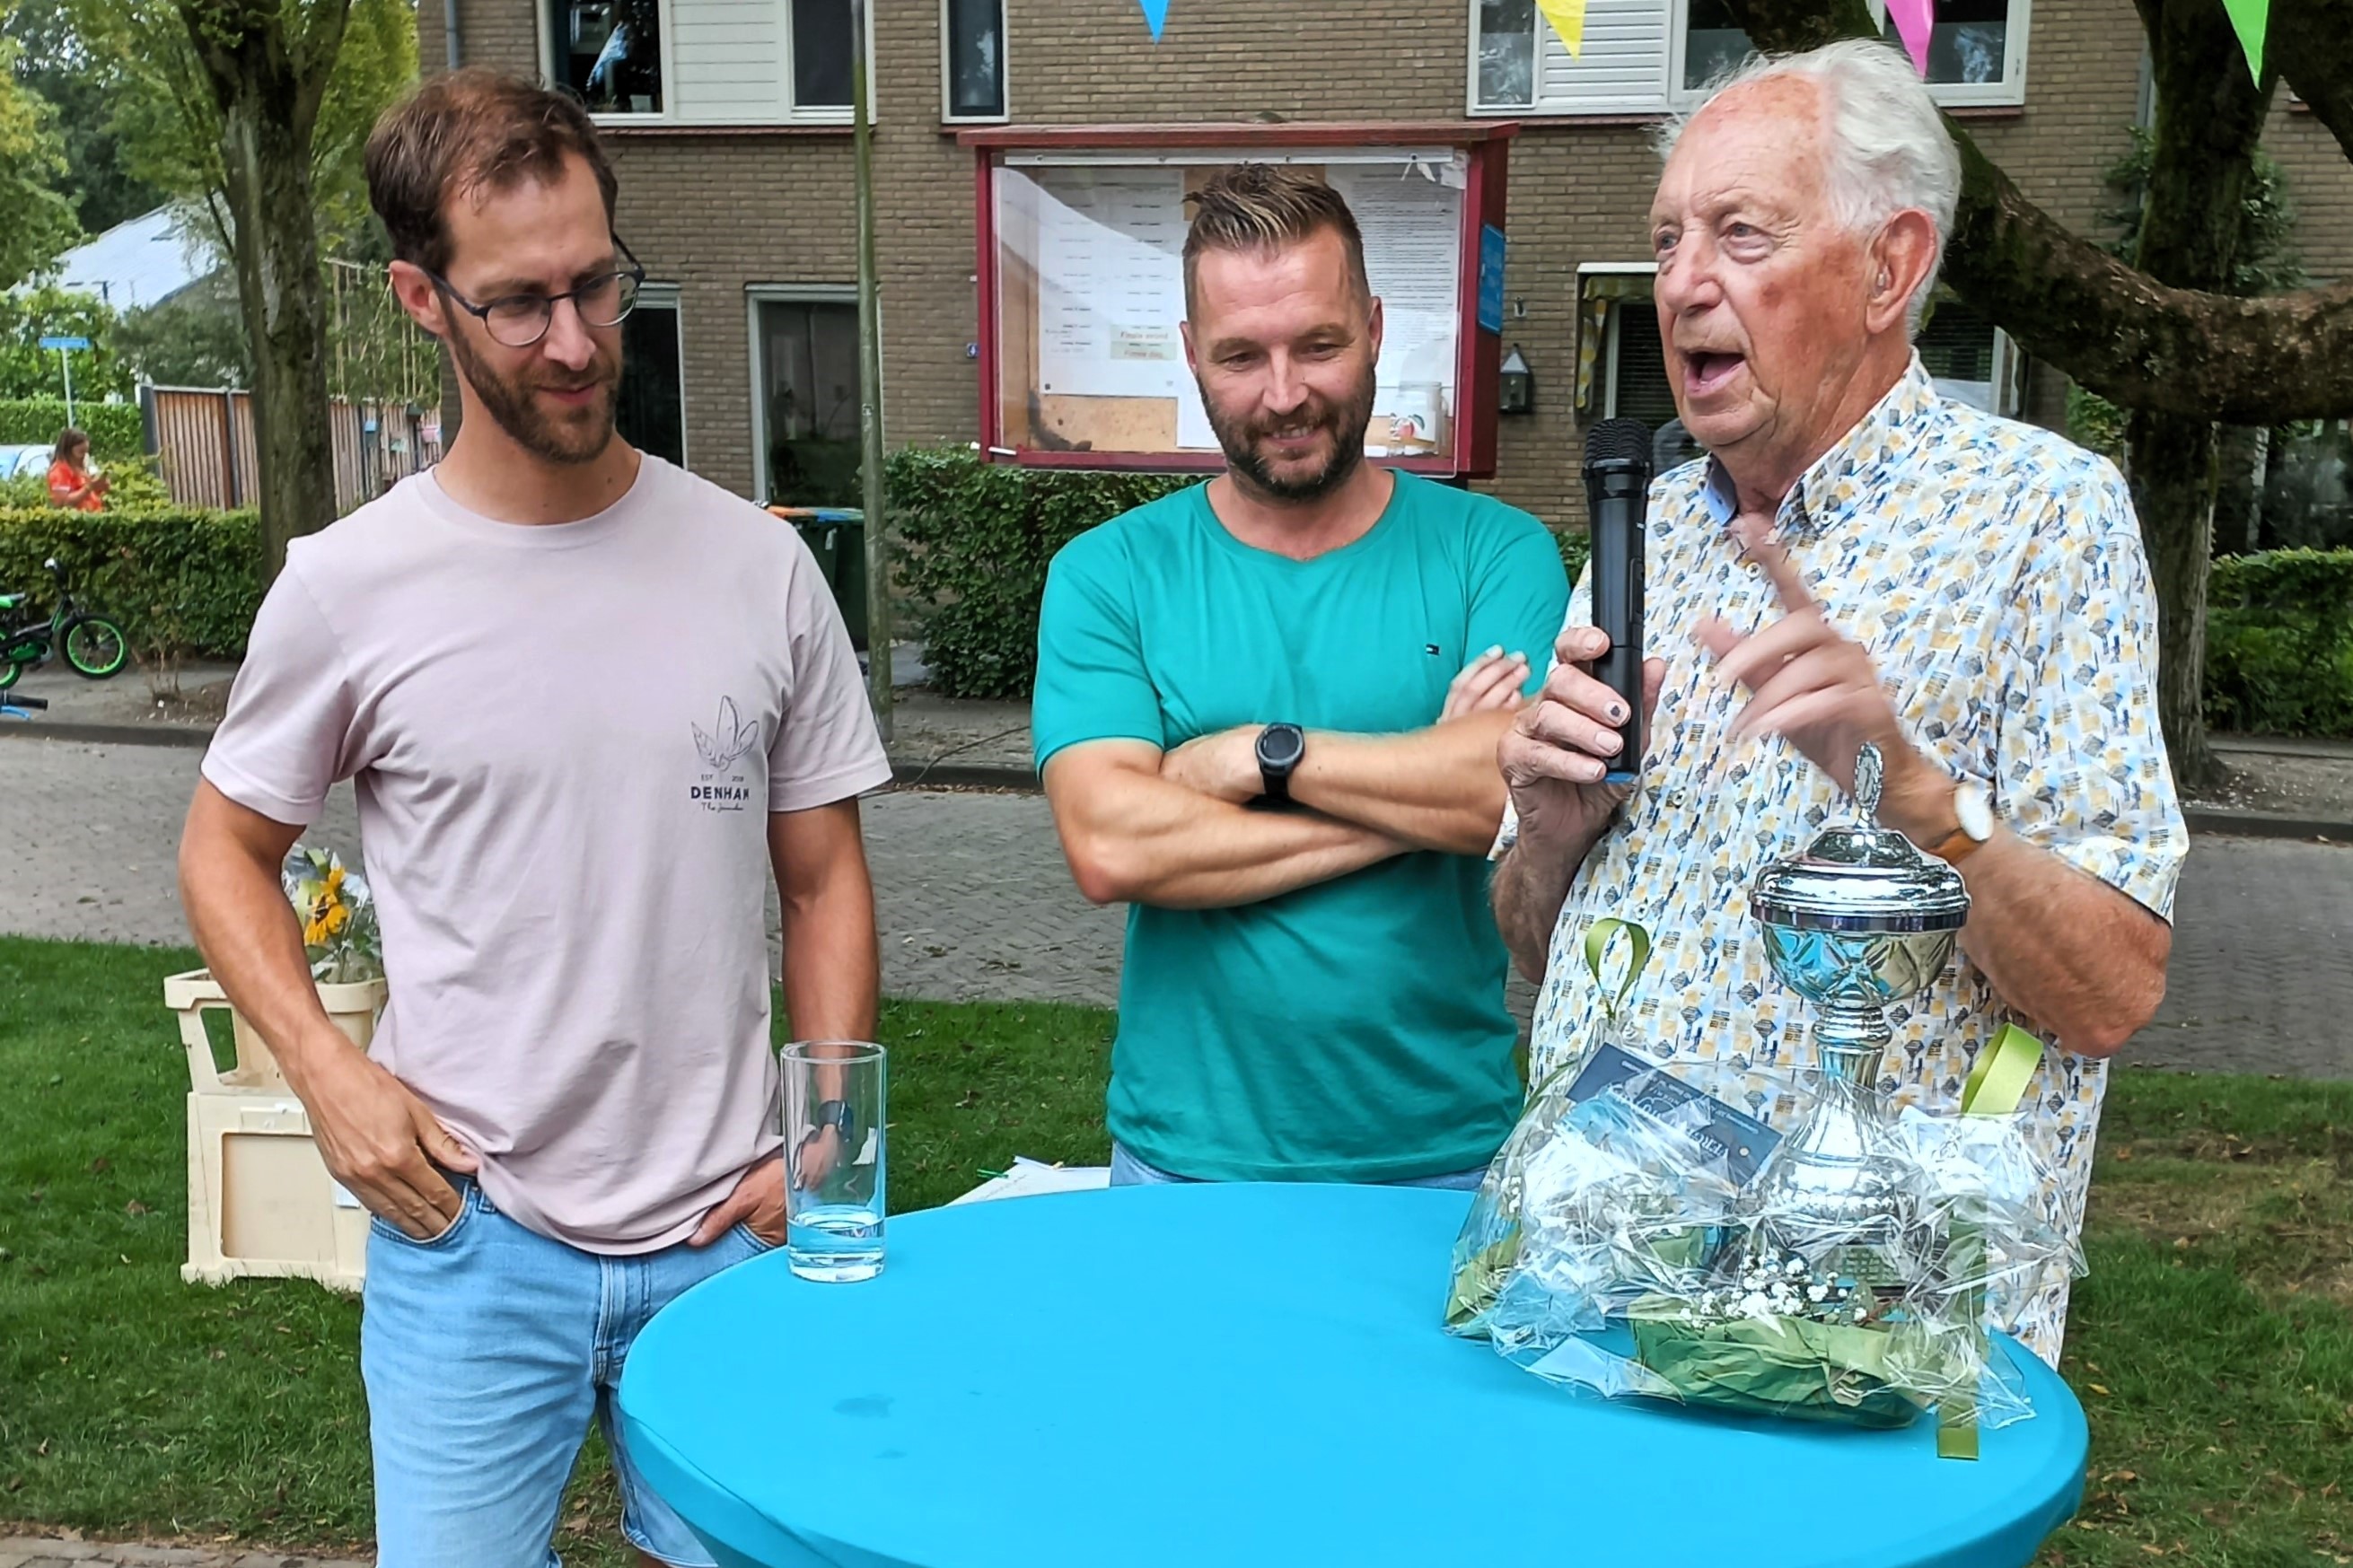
134,1207
100,1165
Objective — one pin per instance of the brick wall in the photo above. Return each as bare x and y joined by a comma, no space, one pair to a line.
714,212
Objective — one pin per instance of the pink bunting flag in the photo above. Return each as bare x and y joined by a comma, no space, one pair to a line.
1915,19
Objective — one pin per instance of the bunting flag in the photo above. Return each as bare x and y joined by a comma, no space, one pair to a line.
1155,16
1914,20
2250,18
1568,19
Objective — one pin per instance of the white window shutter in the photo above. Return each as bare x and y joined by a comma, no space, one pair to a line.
730,61
1622,68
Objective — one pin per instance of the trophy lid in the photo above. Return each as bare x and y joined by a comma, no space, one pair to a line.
1859,876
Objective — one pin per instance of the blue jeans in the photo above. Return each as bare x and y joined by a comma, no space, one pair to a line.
1127,1171
486,1352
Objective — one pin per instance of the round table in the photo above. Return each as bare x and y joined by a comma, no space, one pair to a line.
1189,1376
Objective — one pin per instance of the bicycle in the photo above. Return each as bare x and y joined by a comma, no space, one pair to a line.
93,645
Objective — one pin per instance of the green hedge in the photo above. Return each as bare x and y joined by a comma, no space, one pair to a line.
2279,643
975,540
180,578
115,431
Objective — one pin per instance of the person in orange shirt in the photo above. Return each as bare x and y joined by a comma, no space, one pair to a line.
71,484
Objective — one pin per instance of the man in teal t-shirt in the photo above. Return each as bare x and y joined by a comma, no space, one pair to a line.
1252,730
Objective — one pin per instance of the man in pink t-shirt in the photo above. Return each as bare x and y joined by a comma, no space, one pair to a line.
589,700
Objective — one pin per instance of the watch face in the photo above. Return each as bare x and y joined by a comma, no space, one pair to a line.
1279,746
1975,810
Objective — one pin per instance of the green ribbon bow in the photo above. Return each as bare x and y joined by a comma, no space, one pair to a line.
1598,939
1996,1084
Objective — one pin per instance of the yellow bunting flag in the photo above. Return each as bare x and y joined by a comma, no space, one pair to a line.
1568,19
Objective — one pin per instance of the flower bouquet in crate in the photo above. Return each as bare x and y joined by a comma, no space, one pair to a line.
339,925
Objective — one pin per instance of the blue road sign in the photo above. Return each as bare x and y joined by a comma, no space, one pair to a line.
63,343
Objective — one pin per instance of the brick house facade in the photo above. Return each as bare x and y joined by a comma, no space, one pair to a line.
727,215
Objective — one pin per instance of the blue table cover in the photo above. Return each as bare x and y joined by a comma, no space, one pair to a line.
1187,1376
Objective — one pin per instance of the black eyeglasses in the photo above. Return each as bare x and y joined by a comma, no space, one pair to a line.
519,321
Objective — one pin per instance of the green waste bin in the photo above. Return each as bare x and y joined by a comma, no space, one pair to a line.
836,537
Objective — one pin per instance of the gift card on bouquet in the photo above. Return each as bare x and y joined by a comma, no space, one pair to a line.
1738,1139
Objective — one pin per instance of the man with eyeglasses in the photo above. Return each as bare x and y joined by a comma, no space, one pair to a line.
586,699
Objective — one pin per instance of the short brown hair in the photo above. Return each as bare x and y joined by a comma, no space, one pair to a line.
468,130
1265,207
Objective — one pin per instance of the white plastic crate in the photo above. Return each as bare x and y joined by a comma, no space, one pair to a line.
260,1199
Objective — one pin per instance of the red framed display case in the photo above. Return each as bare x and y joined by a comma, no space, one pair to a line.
1080,233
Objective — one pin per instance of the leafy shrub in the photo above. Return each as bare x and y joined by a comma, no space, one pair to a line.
136,487
115,430
2279,643
180,578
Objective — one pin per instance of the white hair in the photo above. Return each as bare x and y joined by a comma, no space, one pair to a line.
1886,146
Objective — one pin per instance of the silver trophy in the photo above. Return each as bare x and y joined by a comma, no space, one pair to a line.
1857,923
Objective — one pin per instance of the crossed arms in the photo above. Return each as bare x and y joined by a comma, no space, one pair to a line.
1174,828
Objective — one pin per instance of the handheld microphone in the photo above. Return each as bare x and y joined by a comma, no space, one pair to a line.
1617,493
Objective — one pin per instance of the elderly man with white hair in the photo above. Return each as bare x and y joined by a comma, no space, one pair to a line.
1858,558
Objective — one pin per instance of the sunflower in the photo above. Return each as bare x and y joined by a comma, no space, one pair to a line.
328,914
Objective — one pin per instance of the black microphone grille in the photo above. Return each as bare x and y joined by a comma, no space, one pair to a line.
1618,441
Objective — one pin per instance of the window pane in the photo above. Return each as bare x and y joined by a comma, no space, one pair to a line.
651,415
975,58
1639,378
821,54
1956,346
1968,40
1507,53
1713,45
808,377
608,52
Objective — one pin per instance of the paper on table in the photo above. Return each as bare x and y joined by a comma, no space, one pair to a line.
1031,1178
1111,284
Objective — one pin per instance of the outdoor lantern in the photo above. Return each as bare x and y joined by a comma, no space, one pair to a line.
1516,392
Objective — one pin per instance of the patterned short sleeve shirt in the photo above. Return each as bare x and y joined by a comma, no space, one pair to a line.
1995,574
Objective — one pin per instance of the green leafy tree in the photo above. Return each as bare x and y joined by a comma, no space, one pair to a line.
39,222
196,338
27,369
84,86
2162,334
256,110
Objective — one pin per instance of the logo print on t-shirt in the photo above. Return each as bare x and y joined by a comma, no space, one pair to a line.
723,786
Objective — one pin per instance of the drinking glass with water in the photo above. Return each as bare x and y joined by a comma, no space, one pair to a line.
835,1139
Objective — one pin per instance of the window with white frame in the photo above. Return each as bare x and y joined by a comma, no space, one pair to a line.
609,53
1651,57
704,62
972,59
650,412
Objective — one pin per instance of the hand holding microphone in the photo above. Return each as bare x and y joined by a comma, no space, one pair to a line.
1577,751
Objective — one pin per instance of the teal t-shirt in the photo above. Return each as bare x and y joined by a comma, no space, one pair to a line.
1353,1031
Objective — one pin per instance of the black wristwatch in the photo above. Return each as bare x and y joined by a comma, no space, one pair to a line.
1279,747
837,1115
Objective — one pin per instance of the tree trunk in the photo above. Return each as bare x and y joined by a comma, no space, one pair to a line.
2202,167
267,82
2173,480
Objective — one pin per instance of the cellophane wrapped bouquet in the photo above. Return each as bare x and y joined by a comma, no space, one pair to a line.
338,915
1631,1239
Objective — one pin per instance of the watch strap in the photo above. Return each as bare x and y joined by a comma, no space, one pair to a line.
1957,847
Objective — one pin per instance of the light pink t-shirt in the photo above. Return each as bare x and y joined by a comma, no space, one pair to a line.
567,741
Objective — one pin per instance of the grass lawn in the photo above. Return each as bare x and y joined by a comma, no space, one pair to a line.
2212,1344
